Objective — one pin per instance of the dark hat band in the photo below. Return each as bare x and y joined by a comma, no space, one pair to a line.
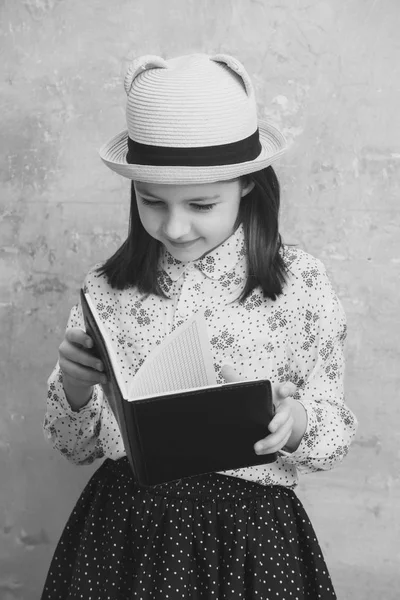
204,156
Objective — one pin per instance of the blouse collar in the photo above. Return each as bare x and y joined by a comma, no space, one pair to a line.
214,264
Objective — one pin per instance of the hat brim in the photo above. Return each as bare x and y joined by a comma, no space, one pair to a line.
114,152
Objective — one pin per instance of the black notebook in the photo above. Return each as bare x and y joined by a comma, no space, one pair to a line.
175,421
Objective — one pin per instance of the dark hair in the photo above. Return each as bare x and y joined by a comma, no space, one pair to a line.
135,263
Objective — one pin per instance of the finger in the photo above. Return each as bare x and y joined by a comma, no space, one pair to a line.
284,390
82,375
77,354
282,415
75,335
230,375
276,440
275,447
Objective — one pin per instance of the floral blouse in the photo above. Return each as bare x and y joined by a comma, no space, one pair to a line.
298,337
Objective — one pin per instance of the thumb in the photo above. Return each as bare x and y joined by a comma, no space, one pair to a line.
230,375
285,390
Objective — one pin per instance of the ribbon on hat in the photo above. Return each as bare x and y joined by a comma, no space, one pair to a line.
203,156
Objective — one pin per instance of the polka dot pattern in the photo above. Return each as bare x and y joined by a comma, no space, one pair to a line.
207,537
298,337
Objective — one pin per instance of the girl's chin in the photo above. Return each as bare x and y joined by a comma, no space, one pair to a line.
185,255
185,252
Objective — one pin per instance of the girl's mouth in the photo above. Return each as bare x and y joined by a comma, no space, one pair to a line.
183,244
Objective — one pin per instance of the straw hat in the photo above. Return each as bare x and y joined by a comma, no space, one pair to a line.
191,119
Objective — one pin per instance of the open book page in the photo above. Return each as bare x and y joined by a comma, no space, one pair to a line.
182,361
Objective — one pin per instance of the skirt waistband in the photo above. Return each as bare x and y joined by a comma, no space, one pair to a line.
207,487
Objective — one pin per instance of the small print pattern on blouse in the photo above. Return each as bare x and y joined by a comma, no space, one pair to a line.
298,337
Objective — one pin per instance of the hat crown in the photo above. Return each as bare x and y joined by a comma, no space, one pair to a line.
189,101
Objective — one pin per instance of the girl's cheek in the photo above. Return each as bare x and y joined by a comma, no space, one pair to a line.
150,222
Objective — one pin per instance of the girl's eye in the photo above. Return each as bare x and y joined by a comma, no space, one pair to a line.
199,207
203,207
150,202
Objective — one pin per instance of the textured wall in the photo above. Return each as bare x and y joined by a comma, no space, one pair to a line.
327,73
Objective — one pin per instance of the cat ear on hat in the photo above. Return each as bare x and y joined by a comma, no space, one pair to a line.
143,63
237,67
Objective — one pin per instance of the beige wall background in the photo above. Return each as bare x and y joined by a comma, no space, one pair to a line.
327,73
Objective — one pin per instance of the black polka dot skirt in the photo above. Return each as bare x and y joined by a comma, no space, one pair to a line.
202,538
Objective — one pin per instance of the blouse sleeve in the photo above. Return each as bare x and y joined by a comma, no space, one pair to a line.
85,435
317,368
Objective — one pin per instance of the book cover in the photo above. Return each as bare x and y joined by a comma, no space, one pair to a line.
174,419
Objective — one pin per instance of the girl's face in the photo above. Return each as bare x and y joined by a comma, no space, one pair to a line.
190,220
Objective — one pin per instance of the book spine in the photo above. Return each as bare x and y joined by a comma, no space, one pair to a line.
133,439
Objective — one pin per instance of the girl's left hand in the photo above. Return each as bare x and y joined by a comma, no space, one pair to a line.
284,421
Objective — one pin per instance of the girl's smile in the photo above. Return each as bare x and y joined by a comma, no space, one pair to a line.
187,244
190,220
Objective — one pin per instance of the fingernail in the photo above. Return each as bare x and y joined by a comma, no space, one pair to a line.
89,343
103,380
99,366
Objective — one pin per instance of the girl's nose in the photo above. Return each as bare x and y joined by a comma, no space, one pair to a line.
176,226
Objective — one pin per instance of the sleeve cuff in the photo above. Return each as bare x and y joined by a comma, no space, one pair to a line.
302,453
56,390
93,405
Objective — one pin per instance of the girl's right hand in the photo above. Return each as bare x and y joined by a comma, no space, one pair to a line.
80,368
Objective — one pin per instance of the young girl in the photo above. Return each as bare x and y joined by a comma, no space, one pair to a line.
203,237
